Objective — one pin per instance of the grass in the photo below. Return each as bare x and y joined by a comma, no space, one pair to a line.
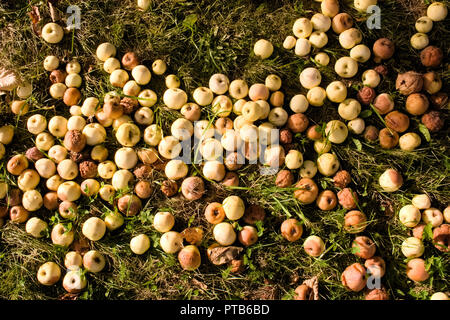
198,39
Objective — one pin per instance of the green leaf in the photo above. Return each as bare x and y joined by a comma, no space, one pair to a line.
189,21
425,132
365,114
357,144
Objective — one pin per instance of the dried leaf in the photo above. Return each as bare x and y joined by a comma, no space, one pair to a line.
313,283
223,255
8,80
193,235
35,17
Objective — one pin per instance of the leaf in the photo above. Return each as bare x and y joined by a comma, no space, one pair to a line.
425,132
428,232
8,80
223,255
189,21
357,144
365,114
35,17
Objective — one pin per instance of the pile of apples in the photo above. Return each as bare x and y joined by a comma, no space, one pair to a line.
413,248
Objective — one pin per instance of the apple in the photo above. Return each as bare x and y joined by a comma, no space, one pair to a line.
360,53
439,296
105,50
350,38
113,220
302,47
248,236
203,96
51,63
118,78
234,207
341,22
322,58
163,221
364,247
409,141
289,42
36,227
302,28
189,258
316,96
412,247
321,22
299,103
391,180
310,78
94,261
32,200
73,260
176,169
437,11
74,281
172,81
147,98
171,242
175,98
424,24
419,41
416,270
52,33
433,216
169,147
278,116
354,277
314,246
94,228
48,273
140,244
327,164
111,64
336,91
308,169
19,107
409,216
349,109
363,5
318,39
28,180
346,67
356,125
141,74
326,200
238,89
336,131
69,191
330,8
57,90
89,106
153,135
291,230
421,201
61,235
219,83
159,66
224,234
76,123
355,221
67,169
371,78
95,134
263,49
